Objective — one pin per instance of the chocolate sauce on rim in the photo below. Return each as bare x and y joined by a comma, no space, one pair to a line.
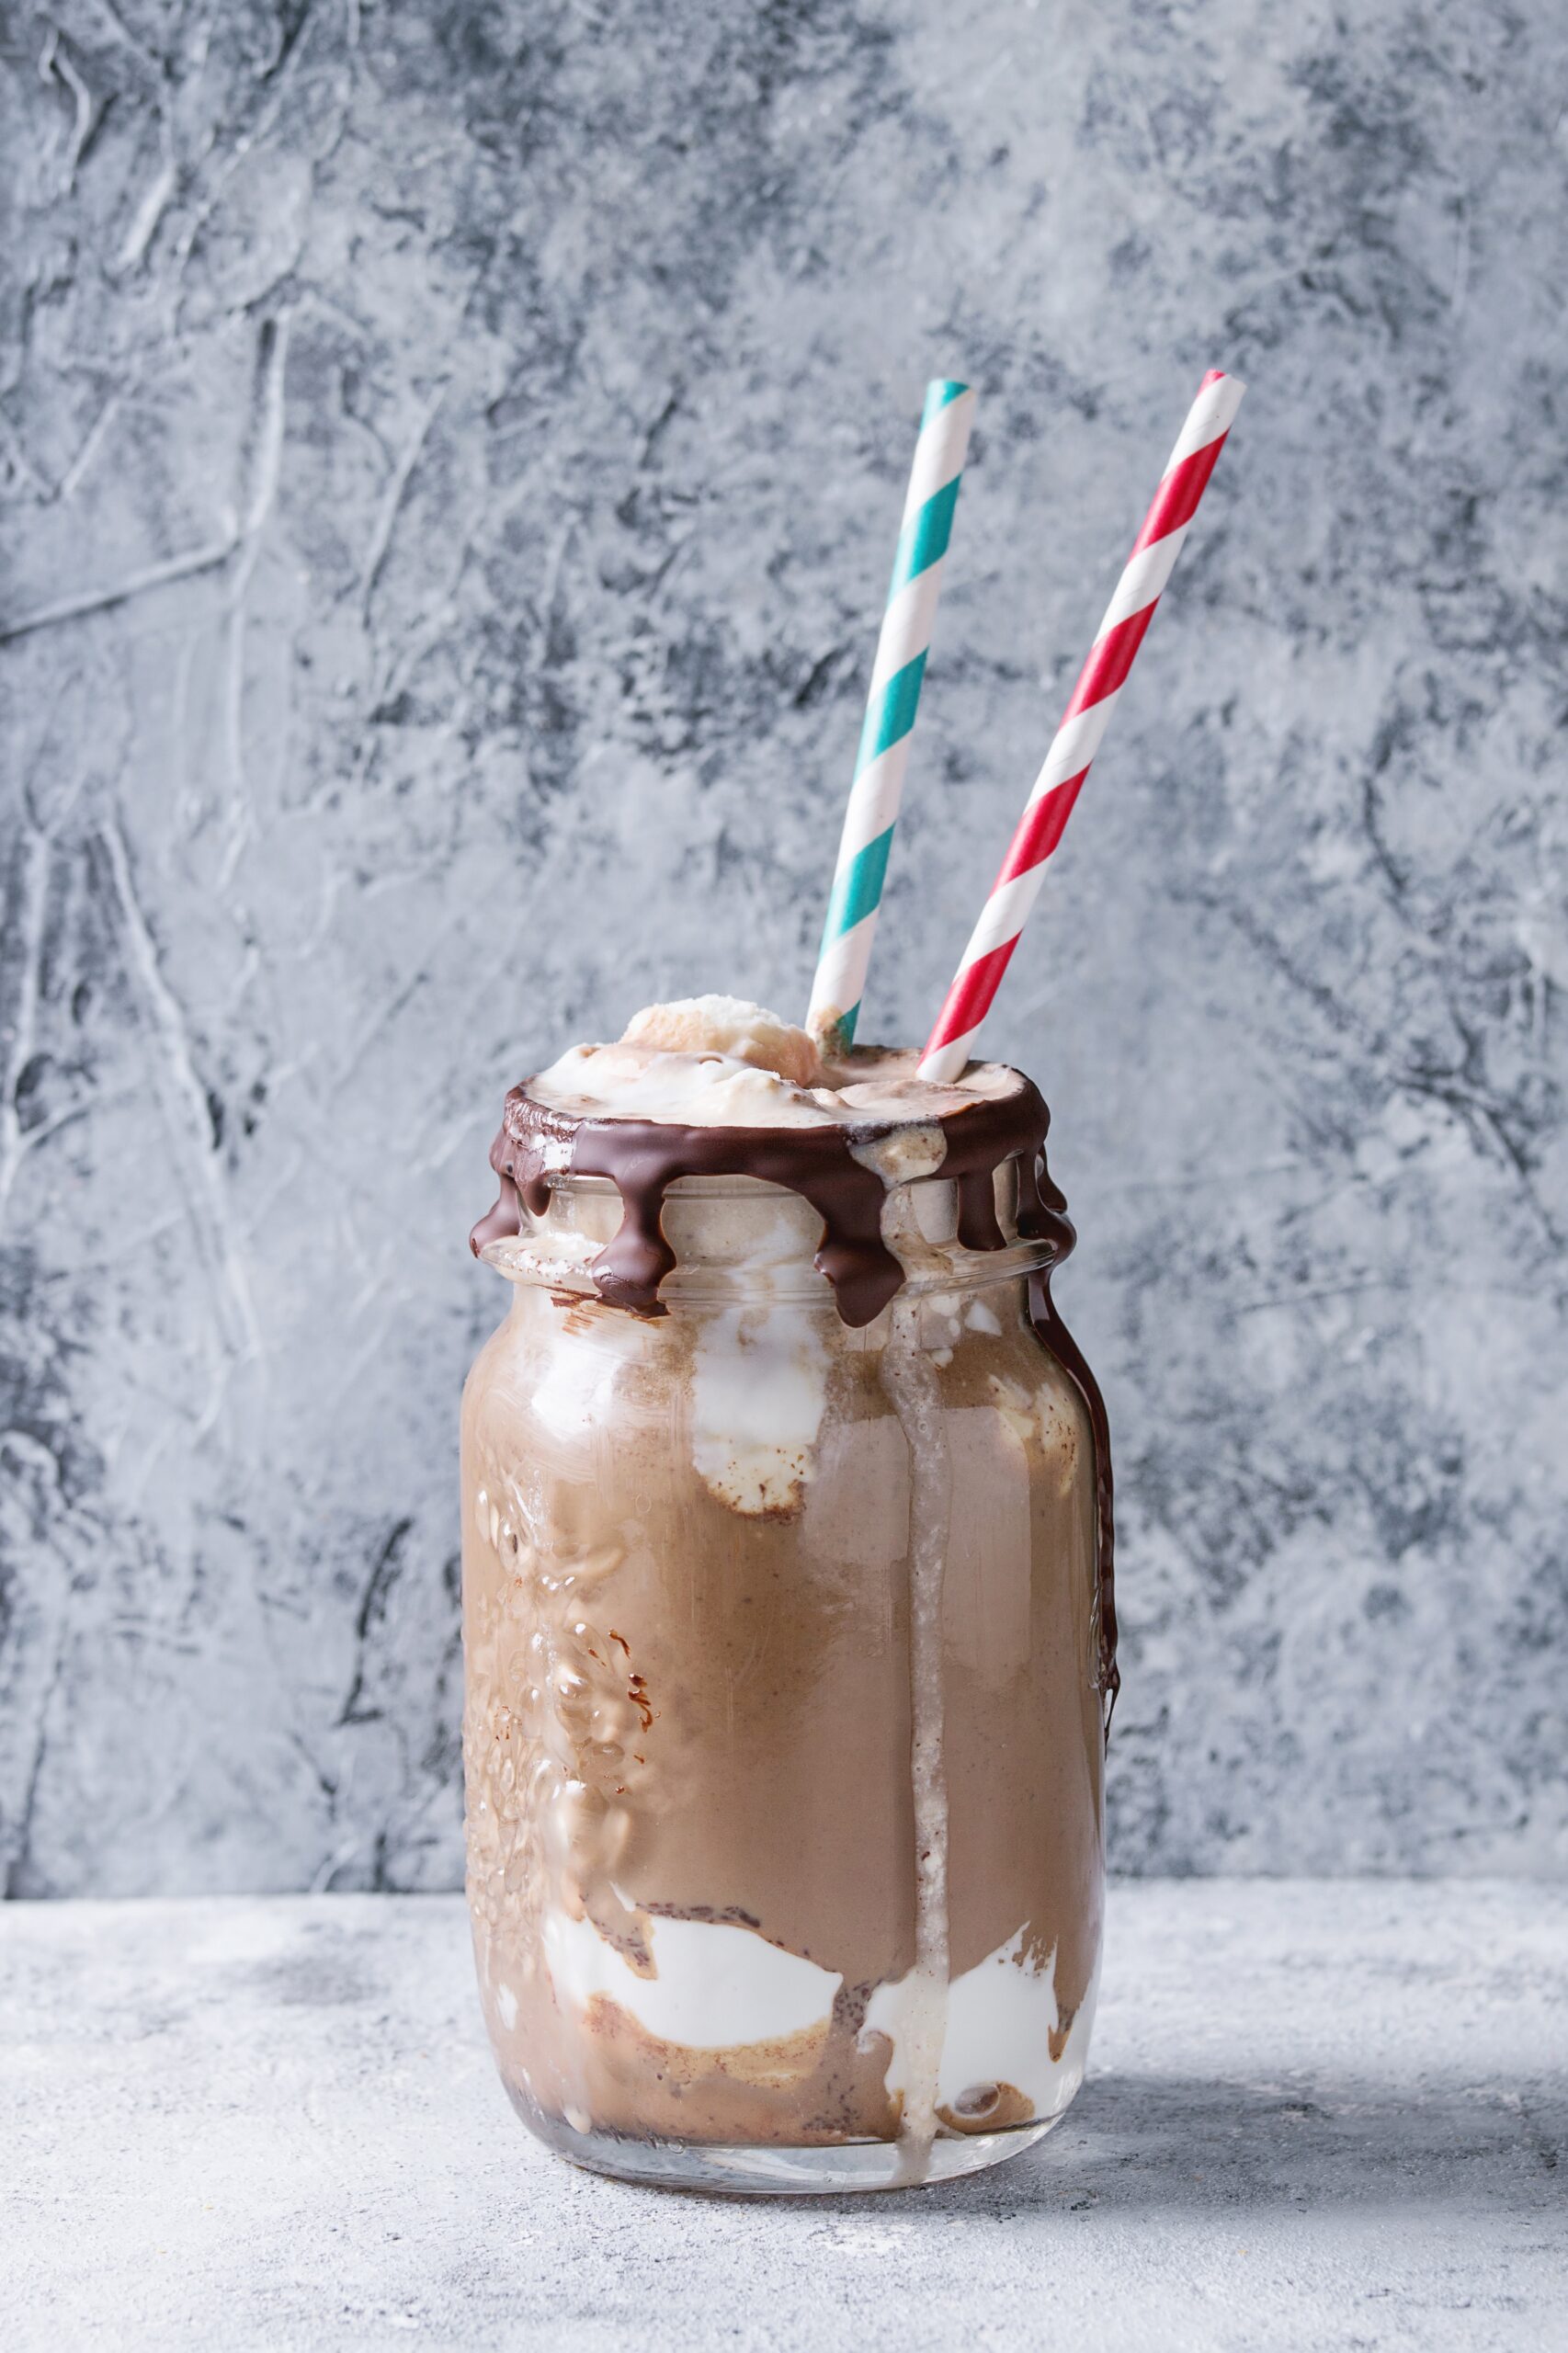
644,1158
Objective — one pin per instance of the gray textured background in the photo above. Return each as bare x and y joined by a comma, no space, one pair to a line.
452,457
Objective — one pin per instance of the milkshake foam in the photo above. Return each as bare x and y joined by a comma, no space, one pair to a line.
720,1061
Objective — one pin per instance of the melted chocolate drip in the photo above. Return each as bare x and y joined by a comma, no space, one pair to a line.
1043,1216
501,1223
644,1158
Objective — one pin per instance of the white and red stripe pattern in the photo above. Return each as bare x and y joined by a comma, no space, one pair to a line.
1076,741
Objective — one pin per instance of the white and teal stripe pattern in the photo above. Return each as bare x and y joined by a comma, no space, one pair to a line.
894,695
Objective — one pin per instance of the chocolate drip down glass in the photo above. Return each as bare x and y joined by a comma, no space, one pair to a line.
788,1640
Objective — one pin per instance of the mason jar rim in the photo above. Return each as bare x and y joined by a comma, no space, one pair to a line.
709,1188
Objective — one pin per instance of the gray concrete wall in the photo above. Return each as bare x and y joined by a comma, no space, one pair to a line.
451,460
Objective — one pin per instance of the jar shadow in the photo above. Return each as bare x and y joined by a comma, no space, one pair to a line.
1196,2145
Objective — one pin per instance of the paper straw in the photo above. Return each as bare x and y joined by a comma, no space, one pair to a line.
894,695
1077,739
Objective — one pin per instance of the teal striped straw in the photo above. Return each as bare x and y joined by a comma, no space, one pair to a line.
896,674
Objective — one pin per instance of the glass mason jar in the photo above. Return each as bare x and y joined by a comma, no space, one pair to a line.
785,1659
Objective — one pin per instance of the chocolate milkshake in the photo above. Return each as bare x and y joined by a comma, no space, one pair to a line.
787,1615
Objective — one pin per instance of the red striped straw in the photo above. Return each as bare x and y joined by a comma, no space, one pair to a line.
1077,739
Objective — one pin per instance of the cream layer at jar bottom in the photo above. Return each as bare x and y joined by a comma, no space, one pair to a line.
721,1988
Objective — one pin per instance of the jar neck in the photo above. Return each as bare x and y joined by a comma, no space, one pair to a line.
738,1241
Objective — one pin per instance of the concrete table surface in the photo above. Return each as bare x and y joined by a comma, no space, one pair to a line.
1318,2116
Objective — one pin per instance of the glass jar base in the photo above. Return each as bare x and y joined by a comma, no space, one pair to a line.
764,2171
